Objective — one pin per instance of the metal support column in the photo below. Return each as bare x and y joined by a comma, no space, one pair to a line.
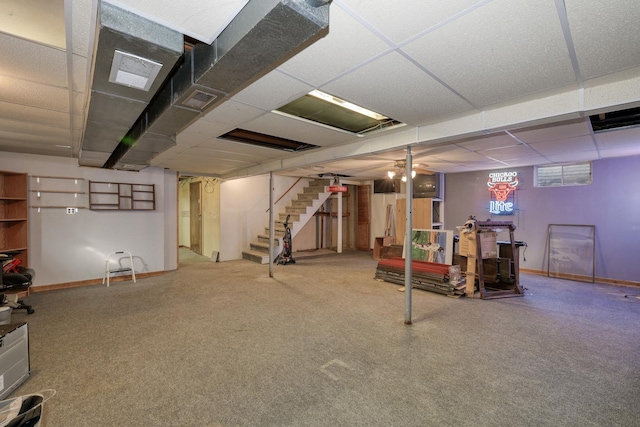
271,224
339,195
407,240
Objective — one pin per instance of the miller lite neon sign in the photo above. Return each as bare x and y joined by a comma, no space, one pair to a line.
502,186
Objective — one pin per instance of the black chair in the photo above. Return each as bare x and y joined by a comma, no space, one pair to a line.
13,283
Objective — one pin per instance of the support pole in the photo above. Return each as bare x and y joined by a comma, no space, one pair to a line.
407,240
271,224
339,249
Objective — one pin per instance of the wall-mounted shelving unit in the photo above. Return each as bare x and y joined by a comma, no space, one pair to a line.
14,227
121,196
56,192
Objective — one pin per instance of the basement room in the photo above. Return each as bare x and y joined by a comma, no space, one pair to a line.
319,213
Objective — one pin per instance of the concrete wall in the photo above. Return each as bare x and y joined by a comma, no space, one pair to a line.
67,248
611,203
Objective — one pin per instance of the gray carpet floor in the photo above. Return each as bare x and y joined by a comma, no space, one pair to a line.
324,344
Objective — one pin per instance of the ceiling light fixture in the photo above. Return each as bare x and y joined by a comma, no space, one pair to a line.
399,168
346,104
133,71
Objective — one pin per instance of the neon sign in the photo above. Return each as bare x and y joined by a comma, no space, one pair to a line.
502,186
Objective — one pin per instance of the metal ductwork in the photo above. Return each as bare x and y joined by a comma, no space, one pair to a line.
263,35
114,107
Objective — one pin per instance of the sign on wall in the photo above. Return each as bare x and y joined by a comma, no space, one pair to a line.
502,186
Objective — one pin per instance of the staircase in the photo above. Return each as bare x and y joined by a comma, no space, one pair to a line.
301,208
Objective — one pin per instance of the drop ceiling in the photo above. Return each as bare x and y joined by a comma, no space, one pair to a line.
480,85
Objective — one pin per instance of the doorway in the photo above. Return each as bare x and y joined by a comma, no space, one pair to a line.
195,218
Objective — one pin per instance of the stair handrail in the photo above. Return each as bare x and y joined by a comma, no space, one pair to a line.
285,193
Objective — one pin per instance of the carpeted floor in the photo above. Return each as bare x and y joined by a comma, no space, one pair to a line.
324,344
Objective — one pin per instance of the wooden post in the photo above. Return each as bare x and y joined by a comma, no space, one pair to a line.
471,261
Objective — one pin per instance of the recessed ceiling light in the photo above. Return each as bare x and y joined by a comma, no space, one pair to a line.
346,104
328,110
133,71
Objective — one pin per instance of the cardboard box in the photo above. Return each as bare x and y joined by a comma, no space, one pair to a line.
467,244
488,244
463,243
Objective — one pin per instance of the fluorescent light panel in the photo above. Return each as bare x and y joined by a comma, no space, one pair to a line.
346,104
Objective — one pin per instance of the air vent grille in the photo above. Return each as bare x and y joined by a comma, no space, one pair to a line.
199,100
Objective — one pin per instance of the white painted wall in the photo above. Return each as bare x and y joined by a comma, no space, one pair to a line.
243,210
379,204
70,248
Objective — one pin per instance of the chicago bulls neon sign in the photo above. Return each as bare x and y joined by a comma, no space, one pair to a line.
502,186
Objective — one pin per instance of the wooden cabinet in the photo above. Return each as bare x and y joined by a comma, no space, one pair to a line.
121,196
381,242
428,214
14,207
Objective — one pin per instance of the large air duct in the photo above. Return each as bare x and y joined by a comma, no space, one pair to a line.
114,107
263,35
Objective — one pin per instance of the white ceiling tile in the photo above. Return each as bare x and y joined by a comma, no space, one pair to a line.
33,94
28,61
510,153
41,21
408,17
501,46
34,128
618,138
529,161
80,101
579,143
203,21
630,150
574,157
238,150
604,35
416,98
46,142
33,115
462,156
272,91
233,114
488,142
84,15
553,131
347,45
80,81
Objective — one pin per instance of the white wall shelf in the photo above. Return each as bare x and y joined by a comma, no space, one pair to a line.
55,192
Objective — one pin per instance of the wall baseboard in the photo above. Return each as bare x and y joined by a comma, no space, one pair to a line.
580,278
92,282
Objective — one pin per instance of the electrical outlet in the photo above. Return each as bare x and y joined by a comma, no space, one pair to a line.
72,211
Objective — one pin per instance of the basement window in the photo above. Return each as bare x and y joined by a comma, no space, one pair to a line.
329,110
563,175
